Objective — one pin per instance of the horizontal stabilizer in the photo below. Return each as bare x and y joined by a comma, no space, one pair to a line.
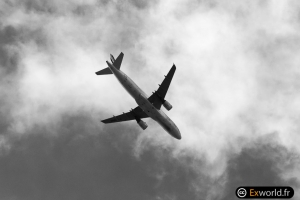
104,71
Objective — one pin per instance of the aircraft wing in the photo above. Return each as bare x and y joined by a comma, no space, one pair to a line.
131,115
158,96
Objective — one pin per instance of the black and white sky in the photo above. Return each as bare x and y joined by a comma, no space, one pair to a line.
235,97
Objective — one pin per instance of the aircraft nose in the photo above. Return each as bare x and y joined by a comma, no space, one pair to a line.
177,134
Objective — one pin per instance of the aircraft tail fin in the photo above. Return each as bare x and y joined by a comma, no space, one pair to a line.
117,62
104,71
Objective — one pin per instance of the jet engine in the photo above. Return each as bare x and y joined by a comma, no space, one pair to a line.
142,124
112,59
167,105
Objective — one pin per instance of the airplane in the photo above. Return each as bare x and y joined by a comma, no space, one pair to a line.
147,107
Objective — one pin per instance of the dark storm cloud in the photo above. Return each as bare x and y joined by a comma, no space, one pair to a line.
9,60
79,7
262,164
10,70
122,28
5,110
40,6
81,164
4,119
8,57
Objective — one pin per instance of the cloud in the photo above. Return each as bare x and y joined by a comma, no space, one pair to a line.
8,57
263,163
80,163
236,83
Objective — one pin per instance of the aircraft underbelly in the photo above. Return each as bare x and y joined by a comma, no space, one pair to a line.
146,106
131,87
157,115
140,97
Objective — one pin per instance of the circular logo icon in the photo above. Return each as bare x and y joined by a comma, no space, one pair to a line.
241,193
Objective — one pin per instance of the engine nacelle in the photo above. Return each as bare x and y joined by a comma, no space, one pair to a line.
112,59
142,124
167,105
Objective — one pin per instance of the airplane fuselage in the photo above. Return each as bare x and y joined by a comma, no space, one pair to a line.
142,100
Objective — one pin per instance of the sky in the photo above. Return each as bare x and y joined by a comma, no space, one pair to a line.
235,97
